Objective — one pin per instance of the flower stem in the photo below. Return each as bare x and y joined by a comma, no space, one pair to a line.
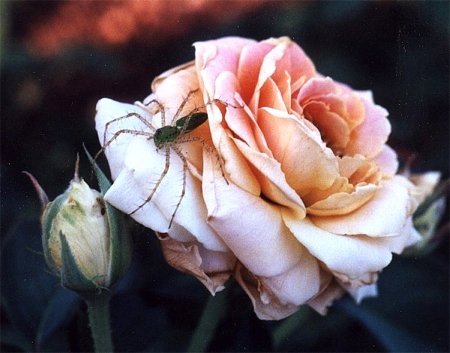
98,310
213,312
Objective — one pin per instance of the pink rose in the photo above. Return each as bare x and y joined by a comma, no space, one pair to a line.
306,203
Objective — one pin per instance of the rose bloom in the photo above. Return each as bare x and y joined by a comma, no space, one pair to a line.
289,186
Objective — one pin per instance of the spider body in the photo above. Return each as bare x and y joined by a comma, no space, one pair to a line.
167,138
169,134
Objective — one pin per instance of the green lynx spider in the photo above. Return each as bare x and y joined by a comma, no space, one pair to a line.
166,137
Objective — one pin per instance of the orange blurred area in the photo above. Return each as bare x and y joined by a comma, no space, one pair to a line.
103,23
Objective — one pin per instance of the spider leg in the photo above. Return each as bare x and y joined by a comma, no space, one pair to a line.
183,190
129,115
161,109
163,174
208,148
149,135
180,108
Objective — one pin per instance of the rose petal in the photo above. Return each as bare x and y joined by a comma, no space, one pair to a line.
273,182
236,168
369,137
304,158
333,128
284,57
251,227
352,256
190,217
342,203
387,161
267,309
320,303
108,110
249,67
212,268
375,218
216,56
236,119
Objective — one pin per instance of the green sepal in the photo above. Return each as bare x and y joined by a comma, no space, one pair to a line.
48,216
71,276
120,240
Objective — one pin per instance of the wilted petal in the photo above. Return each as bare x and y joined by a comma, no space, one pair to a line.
323,300
212,268
367,291
265,308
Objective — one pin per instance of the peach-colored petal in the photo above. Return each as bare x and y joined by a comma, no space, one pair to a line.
185,80
237,120
296,285
169,73
271,96
353,256
268,309
273,182
341,184
236,168
333,127
294,61
349,165
275,297
374,218
304,158
285,56
316,88
342,203
387,161
252,228
249,66
369,138
216,56
323,300
212,268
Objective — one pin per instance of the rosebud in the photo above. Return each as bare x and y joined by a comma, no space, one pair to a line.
83,238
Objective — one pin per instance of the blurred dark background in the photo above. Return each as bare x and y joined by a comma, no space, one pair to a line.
59,58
